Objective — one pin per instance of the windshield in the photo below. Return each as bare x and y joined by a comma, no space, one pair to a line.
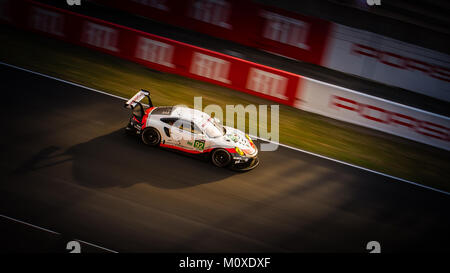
214,129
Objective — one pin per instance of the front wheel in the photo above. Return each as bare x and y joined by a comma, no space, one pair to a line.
220,158
151,136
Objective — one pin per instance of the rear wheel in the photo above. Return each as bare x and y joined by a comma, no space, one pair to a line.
221,158
151,136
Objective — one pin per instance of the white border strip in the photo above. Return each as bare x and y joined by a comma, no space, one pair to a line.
283,145
54,232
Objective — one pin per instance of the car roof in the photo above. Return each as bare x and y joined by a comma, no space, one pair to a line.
187,113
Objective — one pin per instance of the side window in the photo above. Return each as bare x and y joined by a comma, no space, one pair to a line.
169,121
186,125
182,124
196,130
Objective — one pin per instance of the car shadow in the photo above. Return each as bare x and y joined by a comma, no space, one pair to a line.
121,160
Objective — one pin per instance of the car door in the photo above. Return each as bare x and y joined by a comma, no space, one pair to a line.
181,134
199,143
167,130
184,134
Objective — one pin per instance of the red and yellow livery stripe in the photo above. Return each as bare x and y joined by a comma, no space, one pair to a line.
147,113
230,150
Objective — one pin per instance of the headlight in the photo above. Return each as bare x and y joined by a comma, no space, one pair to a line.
250,140
239,151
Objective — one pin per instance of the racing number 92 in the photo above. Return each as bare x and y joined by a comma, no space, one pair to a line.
199,145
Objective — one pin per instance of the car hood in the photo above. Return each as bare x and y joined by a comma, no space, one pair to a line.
238,138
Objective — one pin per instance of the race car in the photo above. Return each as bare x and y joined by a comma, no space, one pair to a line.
190,131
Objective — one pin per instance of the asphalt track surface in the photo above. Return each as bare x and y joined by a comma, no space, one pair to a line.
68,167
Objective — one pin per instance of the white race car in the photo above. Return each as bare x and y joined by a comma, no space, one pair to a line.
191,131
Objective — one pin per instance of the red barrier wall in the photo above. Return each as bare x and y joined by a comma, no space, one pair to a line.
304,38
155,52
242,21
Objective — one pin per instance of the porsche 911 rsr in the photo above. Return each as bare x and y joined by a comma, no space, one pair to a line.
191,131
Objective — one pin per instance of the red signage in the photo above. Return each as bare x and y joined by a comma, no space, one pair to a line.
158,52
242,21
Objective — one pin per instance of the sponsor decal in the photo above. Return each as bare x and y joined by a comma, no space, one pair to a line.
285,30
199,145
154,51
380,115
210,67
267,83
100,36
233,137
401,62
215,12
47,21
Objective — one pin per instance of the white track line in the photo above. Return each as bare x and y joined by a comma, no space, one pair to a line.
97,246
30,225
283,145
54,232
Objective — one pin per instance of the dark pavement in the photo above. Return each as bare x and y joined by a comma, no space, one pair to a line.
67,166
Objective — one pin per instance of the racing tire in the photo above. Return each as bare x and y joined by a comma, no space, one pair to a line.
150,136
221,158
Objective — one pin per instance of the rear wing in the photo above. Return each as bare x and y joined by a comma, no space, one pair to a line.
131,103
